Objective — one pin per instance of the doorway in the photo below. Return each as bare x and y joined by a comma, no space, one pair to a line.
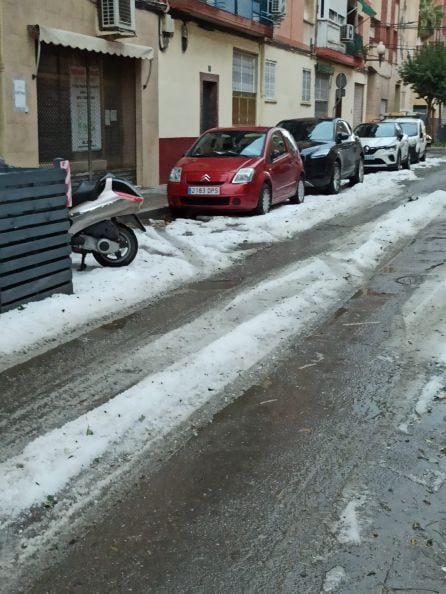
358,104
208,101
86,111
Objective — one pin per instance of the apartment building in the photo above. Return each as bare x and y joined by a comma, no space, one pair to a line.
209,70
437,123
128,85
78,80
254,62
393,31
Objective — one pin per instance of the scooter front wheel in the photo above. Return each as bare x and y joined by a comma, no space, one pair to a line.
125,255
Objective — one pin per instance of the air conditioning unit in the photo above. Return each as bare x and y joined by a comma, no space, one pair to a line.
118,16
347,32
277,7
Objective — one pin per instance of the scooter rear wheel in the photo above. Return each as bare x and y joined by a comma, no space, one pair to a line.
125,255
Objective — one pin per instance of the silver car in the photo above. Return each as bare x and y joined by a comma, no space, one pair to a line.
385,145
416,132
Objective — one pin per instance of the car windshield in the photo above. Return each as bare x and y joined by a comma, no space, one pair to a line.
309,130
232,143
375,130
409,128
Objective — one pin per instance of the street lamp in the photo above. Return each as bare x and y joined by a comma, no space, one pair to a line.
381,50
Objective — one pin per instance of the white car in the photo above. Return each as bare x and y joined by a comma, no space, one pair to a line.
384,144
416,132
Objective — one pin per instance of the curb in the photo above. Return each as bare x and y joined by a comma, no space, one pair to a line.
155,213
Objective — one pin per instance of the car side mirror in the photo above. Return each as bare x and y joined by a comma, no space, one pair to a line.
341,136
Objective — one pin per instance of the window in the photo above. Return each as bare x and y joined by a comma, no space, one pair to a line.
232,143
342,128
336,17
270,79
411,128
244,73
278,146
321,89
291,143
306,85
244,88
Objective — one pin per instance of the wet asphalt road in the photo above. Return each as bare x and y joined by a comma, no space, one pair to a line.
250,503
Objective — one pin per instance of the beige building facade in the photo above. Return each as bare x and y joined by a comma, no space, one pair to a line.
394,26
216,70
133,102
68,89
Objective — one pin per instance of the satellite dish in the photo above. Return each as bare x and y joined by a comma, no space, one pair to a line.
341,81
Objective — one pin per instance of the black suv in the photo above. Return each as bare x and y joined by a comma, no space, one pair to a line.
330,151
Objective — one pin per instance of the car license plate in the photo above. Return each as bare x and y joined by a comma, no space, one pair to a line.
203,190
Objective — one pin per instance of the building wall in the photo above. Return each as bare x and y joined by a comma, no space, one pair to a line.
289,74
348,102
211,52
293,29
291,49
438,121
384,80
290,67
208,52
19,130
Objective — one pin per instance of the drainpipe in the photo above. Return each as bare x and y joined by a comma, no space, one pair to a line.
261,70
2,85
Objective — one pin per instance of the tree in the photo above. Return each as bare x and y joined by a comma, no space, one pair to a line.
429,19
424,72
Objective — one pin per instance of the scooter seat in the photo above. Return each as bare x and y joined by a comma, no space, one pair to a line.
85,192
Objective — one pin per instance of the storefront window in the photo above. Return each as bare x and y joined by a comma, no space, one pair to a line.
86,110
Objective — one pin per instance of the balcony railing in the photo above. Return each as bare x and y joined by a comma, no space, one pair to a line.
355,47
254,10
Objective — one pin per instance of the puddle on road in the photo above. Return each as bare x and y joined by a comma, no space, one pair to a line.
251,245
367,292
340,312
410,280
368,409
435,266
435,238
218,284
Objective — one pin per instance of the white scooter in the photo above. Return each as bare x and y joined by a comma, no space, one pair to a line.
96,224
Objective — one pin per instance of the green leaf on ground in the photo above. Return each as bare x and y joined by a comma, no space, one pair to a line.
50,501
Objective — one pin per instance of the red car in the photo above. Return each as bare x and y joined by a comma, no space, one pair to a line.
243,169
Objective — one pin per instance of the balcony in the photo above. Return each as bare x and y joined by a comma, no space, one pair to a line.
250,17
355,47
330,47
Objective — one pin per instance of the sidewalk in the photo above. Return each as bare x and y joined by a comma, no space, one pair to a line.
155,202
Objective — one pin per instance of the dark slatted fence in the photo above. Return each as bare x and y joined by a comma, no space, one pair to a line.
34,241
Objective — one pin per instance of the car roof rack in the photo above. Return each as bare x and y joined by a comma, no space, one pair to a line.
402,114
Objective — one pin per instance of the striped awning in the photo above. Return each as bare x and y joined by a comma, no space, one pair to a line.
90,43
